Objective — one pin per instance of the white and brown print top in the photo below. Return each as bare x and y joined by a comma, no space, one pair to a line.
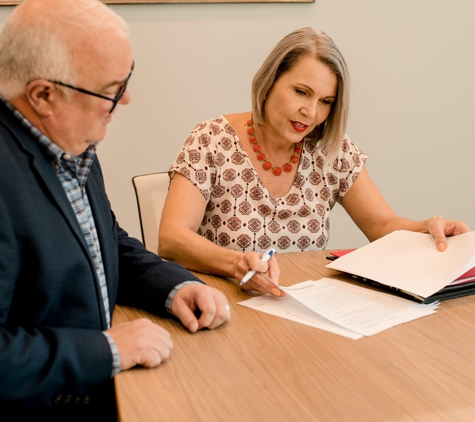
241,214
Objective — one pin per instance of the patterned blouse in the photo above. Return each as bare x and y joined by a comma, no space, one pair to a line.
241,214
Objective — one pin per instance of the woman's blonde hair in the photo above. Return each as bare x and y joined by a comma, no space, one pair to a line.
307,42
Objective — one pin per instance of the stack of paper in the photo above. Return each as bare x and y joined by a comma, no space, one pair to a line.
410,262
340,307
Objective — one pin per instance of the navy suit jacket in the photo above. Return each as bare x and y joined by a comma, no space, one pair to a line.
52,350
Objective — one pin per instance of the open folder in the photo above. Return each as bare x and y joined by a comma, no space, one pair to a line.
408,264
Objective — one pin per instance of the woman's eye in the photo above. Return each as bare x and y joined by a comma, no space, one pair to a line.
300,92
326,102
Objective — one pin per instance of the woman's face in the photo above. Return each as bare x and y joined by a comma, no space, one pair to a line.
300,100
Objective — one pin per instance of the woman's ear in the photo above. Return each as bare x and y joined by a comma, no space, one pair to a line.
41,95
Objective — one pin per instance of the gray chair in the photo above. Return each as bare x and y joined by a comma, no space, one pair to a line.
150,191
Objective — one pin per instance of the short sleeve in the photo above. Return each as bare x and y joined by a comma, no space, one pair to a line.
346,167
197,159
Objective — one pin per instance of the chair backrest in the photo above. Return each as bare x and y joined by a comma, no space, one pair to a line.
151,191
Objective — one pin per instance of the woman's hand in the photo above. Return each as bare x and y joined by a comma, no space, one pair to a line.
266,278
440,229
375,218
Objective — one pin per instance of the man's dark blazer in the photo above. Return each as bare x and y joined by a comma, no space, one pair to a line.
52,351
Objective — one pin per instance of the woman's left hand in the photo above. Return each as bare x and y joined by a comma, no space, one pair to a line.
440,229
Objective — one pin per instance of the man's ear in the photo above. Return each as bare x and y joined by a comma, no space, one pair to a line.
42,96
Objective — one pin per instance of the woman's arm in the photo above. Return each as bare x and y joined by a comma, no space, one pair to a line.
179,241
375,218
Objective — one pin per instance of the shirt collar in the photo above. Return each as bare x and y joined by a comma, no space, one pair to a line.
58,155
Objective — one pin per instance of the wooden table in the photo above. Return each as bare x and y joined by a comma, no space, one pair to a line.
259,367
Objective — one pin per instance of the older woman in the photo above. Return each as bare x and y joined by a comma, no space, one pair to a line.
270,177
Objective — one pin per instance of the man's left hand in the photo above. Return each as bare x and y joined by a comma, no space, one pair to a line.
210,304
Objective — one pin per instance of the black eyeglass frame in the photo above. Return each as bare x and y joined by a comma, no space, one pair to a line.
115,100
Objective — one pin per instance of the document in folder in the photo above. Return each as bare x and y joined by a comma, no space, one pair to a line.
409,264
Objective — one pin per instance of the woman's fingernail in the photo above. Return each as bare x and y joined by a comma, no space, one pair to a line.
275,292
442,247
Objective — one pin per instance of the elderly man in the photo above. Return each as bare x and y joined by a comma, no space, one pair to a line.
64,261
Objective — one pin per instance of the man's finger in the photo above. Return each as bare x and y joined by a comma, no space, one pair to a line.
187,317
208,307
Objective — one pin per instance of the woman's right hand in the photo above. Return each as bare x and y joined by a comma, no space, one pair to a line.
266,278
179,241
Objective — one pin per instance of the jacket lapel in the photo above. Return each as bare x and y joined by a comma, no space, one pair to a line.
46,175
43,168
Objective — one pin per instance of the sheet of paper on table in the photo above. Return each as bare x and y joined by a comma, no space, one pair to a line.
340,307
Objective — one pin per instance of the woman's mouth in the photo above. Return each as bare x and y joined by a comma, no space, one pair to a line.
299,127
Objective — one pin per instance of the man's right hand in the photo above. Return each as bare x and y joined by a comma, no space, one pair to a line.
141,342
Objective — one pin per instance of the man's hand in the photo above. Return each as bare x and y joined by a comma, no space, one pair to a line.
141,342
209,304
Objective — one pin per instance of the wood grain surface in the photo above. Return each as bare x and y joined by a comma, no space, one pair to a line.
259,367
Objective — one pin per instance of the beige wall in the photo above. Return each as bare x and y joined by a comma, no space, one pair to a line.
412,65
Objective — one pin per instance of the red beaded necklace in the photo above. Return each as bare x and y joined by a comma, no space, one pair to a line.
267,165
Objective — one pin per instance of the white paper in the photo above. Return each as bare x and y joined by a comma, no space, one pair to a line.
340,307
410,261
358,309
289,308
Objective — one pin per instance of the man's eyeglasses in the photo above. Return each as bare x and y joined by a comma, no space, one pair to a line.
115,100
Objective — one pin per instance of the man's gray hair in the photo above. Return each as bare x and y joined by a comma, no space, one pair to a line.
45,43
306,42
